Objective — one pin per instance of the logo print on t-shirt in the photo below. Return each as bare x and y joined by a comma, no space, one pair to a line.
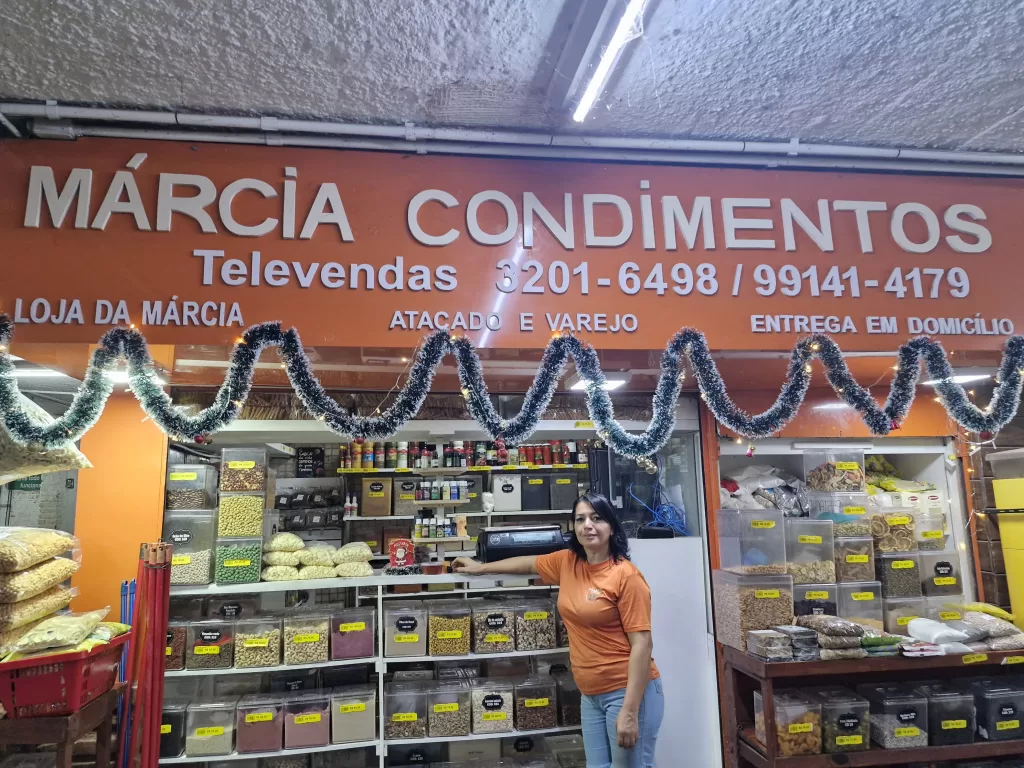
594,594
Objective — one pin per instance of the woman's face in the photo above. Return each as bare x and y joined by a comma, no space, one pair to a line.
592,530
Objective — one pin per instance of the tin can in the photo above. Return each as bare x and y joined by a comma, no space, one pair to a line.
403,455
547,453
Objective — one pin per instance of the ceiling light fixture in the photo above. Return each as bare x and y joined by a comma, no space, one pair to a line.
608,384
624,32
612,380
832,407
121,377
963,378
37,373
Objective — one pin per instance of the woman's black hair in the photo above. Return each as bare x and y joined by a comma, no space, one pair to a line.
618,544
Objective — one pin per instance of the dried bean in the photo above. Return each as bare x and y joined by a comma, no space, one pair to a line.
252,478
21,585
447,723
256,653
494,630
492,710
414,729
193,568
186,498
535,630
448,636
738,611
533,714
175,659
306,641
901,581
238,564
240,516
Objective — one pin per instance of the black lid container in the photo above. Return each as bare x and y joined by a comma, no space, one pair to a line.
536,491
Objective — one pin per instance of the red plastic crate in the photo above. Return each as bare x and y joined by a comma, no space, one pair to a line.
59,685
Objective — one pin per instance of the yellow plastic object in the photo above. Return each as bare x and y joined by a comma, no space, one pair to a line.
1009,493
991,610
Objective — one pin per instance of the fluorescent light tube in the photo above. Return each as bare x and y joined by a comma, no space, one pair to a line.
37,373
634,11
121,377
833,407
608,384
963,378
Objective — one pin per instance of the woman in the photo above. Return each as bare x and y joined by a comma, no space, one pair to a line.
605,604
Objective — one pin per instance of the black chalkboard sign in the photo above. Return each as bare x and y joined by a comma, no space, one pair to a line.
310,462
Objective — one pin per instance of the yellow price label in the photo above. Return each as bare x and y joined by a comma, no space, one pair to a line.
1013,660
854,511
904,620
478,469
313,718
847,466
530,703
563,481
497,639
974,658
494,716
509,467
535,615
165,728
762,524
446,707
932,534
403,469
535,481
168,651
859,596
766,594
809,539
203,733
857,558
312,637
473,495
955,616
801,727
352,626
182,476
259,717
348,709
404,717
450,634
954,725
256,642
371,544
181,559
375,494
849,741
1007,725
237,563
904,733
206,650
560,466
584,425
816,595
407,497
898,520
944,581
241,464
407,638
902,565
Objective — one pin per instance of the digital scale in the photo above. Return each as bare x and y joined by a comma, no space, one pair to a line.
495,544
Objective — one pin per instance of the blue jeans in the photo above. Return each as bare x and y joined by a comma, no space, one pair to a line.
599,735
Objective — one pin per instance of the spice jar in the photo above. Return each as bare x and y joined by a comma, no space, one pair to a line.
405,711
259,723
243,469
449,628
379,455
448,709
210,729
172,729
494,629
492,706
258,642
211,645
390,455
306,638
405,629
353,633
307,721
536,704
353,714
535,625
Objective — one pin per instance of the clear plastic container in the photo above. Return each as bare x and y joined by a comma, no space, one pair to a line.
1000,709
353,633
192,534
231,607
900,611
259,723
172,729
449,628
893,530
307,638
930,530
950,714
845,719
405,711
243,469
900,574
494,627
258,642
307,721
238,561
861,602
752,542
560,630
211,728
535,625
940,574
492,706
177,639
190,486
944,608
899,717
536,704
835,471
797,723
743,603
240,515
405,629
1007,464
848,511
810,553
449,709
815,600
855,559
353,714
570,701
210,645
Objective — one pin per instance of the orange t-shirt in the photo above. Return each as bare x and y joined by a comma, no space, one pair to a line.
599,604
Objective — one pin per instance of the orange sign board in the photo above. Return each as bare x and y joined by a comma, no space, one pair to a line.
192,243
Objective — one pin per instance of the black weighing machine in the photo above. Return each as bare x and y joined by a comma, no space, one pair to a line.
494,544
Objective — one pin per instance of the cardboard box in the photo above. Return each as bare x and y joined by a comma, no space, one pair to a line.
536,491
474,492
564,490
405,495
376,497
508,493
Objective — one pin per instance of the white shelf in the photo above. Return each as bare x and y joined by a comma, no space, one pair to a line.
776,446
278,668
473,656
279,753
458,591
440,540
482,736
532,512
361,518
377,580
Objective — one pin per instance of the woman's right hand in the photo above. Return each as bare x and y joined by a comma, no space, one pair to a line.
466,565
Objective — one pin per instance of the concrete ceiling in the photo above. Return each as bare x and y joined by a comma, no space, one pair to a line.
912,73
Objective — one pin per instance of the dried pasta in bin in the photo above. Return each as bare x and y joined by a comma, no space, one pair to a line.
21,548
13,615
21,585
58,631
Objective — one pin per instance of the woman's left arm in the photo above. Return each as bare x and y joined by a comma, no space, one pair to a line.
627,724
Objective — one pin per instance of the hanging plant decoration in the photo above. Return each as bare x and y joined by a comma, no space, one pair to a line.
686,346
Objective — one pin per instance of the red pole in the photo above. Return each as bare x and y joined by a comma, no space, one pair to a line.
163,576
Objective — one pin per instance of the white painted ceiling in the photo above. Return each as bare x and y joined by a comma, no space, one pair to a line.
914,73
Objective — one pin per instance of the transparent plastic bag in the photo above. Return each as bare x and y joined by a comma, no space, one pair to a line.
317,572
9,637
353,552
280,573
59,631
317,556
936,632
281,558
836,642
996,627
830,654
13,615
284,542
21,585
18,461
353,570
830,625
21,548
1008,643
106,631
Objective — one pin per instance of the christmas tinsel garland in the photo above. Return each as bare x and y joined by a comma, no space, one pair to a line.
687,345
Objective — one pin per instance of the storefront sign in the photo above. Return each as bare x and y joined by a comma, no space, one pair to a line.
192,243
30,483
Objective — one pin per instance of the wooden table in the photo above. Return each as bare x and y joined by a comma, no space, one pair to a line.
65,730
745,673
